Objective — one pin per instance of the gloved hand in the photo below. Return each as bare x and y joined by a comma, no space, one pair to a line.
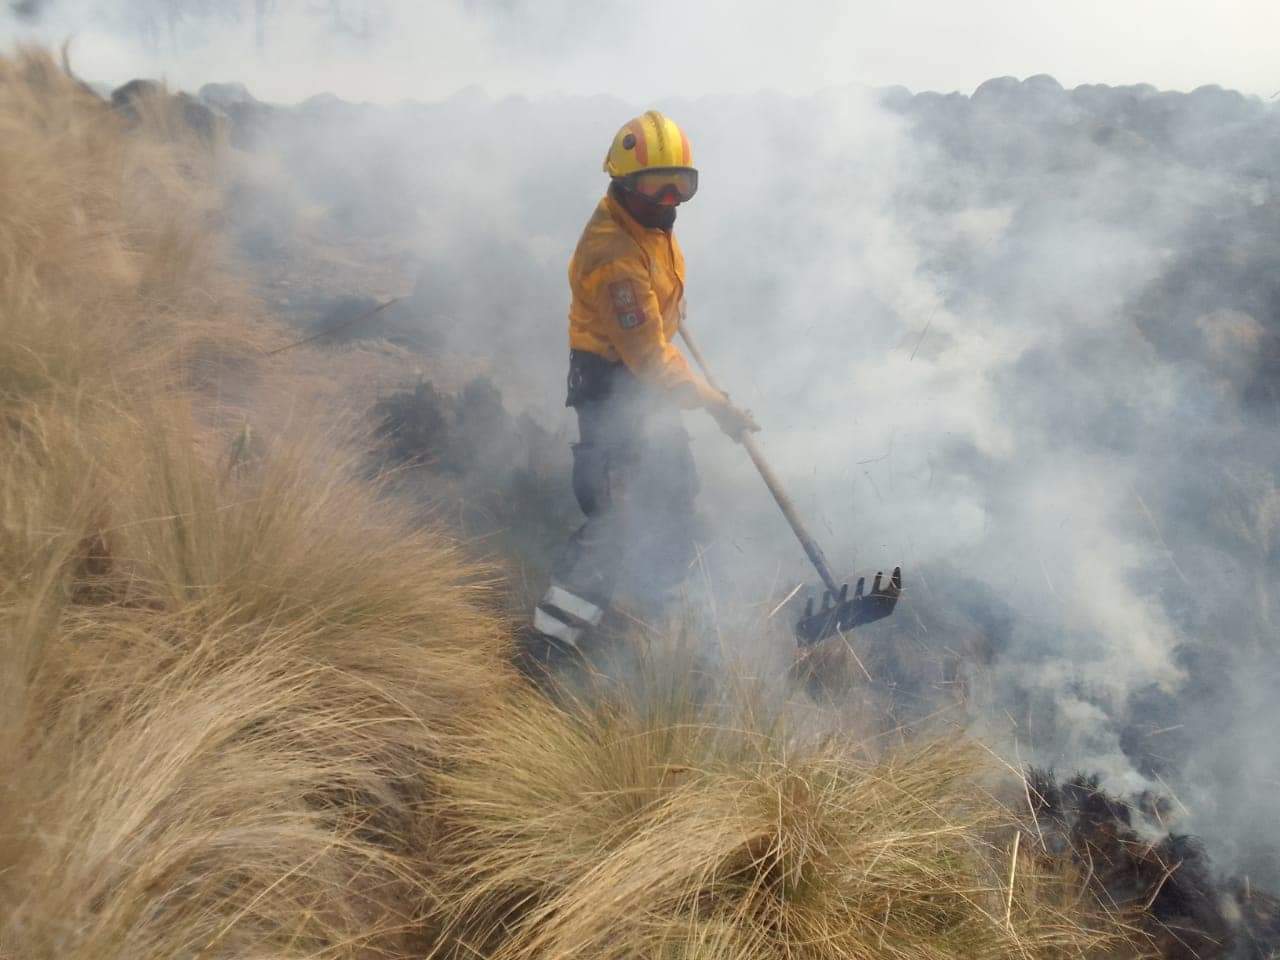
733,420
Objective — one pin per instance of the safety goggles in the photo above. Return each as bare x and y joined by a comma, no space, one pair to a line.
666,185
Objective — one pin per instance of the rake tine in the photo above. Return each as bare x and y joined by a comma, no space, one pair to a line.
849,612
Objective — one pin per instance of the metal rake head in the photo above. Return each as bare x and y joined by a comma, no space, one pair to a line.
842,613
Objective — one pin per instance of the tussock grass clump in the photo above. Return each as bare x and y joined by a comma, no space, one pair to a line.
224,706
666,824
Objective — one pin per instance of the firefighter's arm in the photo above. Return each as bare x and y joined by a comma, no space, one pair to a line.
629,312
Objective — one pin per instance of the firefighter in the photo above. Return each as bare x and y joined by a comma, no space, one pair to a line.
633,472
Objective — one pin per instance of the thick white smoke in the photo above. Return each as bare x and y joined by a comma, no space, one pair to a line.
906,330
390,50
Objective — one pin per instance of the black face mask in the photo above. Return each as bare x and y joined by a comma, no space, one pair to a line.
652,216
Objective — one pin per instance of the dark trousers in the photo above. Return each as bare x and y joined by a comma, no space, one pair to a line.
634,478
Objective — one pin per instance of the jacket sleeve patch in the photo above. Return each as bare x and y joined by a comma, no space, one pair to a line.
623,295
626,305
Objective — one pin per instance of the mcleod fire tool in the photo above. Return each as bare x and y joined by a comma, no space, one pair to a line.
839,611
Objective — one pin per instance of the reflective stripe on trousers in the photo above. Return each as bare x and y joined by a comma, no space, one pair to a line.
555,628
580,609
563,615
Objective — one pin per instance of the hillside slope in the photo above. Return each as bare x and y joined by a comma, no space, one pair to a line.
251,709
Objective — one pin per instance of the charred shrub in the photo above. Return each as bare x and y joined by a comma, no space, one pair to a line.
505,478
453,433
484,434
1132,861
414,425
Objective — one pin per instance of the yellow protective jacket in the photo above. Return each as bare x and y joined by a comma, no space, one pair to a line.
627,283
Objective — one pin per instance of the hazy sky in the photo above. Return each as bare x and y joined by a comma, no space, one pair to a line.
662,48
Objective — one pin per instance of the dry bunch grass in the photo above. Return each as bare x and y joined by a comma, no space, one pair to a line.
666,823
224,708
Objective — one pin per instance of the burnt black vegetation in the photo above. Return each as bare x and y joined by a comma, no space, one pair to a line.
1137,864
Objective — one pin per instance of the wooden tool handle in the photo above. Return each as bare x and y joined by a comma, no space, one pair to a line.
811,548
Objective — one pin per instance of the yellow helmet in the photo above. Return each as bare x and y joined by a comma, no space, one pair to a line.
651,155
